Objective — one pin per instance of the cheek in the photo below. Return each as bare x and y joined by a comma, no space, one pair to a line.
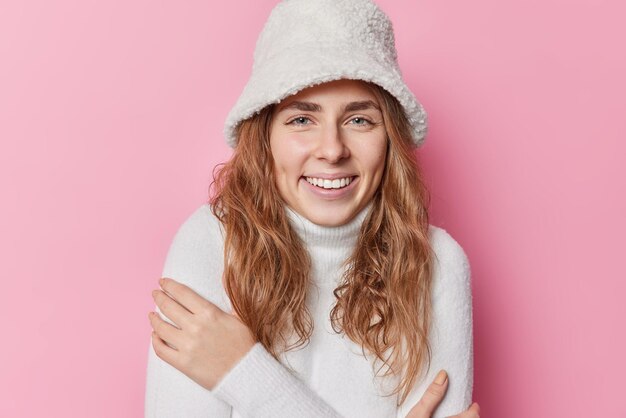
288,152
376,168
374,159
279,163
288,160
277,148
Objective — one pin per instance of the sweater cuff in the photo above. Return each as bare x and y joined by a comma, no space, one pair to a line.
259,385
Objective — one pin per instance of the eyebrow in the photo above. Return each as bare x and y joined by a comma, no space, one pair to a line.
303,106
314,107
362,105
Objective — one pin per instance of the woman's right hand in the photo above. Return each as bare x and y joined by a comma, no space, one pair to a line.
433,396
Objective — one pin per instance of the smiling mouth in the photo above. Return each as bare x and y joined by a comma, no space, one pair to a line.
329,184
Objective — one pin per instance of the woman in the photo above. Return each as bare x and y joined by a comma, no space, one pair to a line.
313,284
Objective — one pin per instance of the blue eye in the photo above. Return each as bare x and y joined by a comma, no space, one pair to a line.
360,121
300,120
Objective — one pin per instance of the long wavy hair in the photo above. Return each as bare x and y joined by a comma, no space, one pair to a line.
383,302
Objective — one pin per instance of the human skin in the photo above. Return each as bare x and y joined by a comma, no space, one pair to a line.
205,343
331,131
328,132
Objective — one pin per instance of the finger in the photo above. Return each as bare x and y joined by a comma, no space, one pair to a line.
171,308
185,296
165,331
432,397
475,409
162,350
472,412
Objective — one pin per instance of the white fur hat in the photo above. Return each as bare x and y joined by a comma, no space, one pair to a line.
309,42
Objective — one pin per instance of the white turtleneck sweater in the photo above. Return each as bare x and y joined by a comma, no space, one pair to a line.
333,378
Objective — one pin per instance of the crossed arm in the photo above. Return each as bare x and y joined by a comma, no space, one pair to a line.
212,389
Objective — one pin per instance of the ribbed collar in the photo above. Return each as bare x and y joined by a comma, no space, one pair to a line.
315,235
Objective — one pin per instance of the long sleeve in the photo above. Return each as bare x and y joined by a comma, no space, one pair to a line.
260,386
169,392
451,332
257,385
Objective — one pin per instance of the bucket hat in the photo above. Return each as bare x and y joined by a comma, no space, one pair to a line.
310,42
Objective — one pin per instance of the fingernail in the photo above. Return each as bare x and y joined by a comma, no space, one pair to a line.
441,378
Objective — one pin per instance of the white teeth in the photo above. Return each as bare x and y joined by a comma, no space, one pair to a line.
329,184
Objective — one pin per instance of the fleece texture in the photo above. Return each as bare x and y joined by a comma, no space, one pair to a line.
330,377
309,42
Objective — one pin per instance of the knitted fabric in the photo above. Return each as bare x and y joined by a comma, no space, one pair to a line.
331,376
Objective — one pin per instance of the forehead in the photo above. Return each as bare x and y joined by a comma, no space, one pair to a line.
338,91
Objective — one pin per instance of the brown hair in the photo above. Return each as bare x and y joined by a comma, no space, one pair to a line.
384,298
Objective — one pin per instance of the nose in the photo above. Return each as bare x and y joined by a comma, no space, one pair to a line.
331,146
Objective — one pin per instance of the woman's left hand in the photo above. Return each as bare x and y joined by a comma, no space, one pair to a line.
206,341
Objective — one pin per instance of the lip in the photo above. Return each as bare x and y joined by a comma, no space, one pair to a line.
327,176
330,194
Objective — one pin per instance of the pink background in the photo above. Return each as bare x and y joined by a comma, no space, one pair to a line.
110,124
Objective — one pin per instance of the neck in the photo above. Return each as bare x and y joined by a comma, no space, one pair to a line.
329,246
317,235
